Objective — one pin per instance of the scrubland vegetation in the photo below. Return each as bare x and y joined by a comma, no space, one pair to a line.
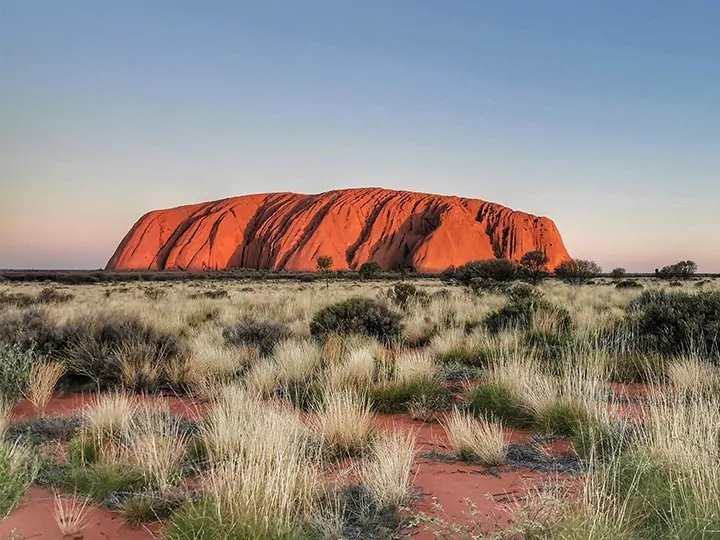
286,387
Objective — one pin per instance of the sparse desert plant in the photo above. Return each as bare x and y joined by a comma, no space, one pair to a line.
71,515
42,380
676,323
156,448
414,366
262,334
18,468
5,415
263,378
474,438
110,414
15,366
297,360
577,271
357,316
345,422
694,376
267,490
357,370
387,470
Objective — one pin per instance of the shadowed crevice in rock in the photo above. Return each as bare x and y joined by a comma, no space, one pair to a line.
287,231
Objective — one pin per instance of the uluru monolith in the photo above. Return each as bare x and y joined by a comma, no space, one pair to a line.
288,231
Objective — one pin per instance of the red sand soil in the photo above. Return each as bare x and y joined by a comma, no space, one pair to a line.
33,519
288,231
494,493
61,405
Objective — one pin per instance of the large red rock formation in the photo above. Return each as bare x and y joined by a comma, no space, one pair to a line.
288,231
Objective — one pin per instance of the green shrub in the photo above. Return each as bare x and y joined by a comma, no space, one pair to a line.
577,271
519,292
100,481
15,365
674,323
31,329
629,284
519,314
369,270
201,520
357,316
617,273
262,334
402,294
500,270
18,468
498,402
93,343
395,398
533,265
679,270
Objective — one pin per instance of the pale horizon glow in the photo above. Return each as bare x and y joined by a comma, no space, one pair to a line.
602,117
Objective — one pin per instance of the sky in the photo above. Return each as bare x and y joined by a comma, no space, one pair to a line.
603,116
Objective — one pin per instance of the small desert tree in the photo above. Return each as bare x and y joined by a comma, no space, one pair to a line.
617,273
533,264
324,265
369,270
679,270
577,271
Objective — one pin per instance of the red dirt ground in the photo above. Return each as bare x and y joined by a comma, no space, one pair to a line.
33,519
447,484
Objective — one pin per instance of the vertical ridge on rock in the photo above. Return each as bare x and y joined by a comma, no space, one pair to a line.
287,231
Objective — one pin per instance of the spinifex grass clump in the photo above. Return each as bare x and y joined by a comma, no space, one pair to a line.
476,439
264,476
387,470
345,422
18,468
358,316
674,323
411,377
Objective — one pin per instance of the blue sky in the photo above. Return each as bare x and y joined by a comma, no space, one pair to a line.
601,115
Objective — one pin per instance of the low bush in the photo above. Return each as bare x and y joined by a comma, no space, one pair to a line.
393,397
577,271
111,349
18,468
357,316
522,314
262,334
31,329
674,323
16,365
629,284
402,294
476,439
497,401
491,269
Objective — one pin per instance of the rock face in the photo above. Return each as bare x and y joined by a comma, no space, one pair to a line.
288,231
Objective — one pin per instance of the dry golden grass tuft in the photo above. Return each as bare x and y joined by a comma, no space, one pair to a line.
694,376
42,380
5,416
356,370
344,421
71,515
110,414
474,438
297,360
414,366
387,470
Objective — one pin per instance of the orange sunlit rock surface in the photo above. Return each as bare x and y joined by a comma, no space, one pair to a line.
288,231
